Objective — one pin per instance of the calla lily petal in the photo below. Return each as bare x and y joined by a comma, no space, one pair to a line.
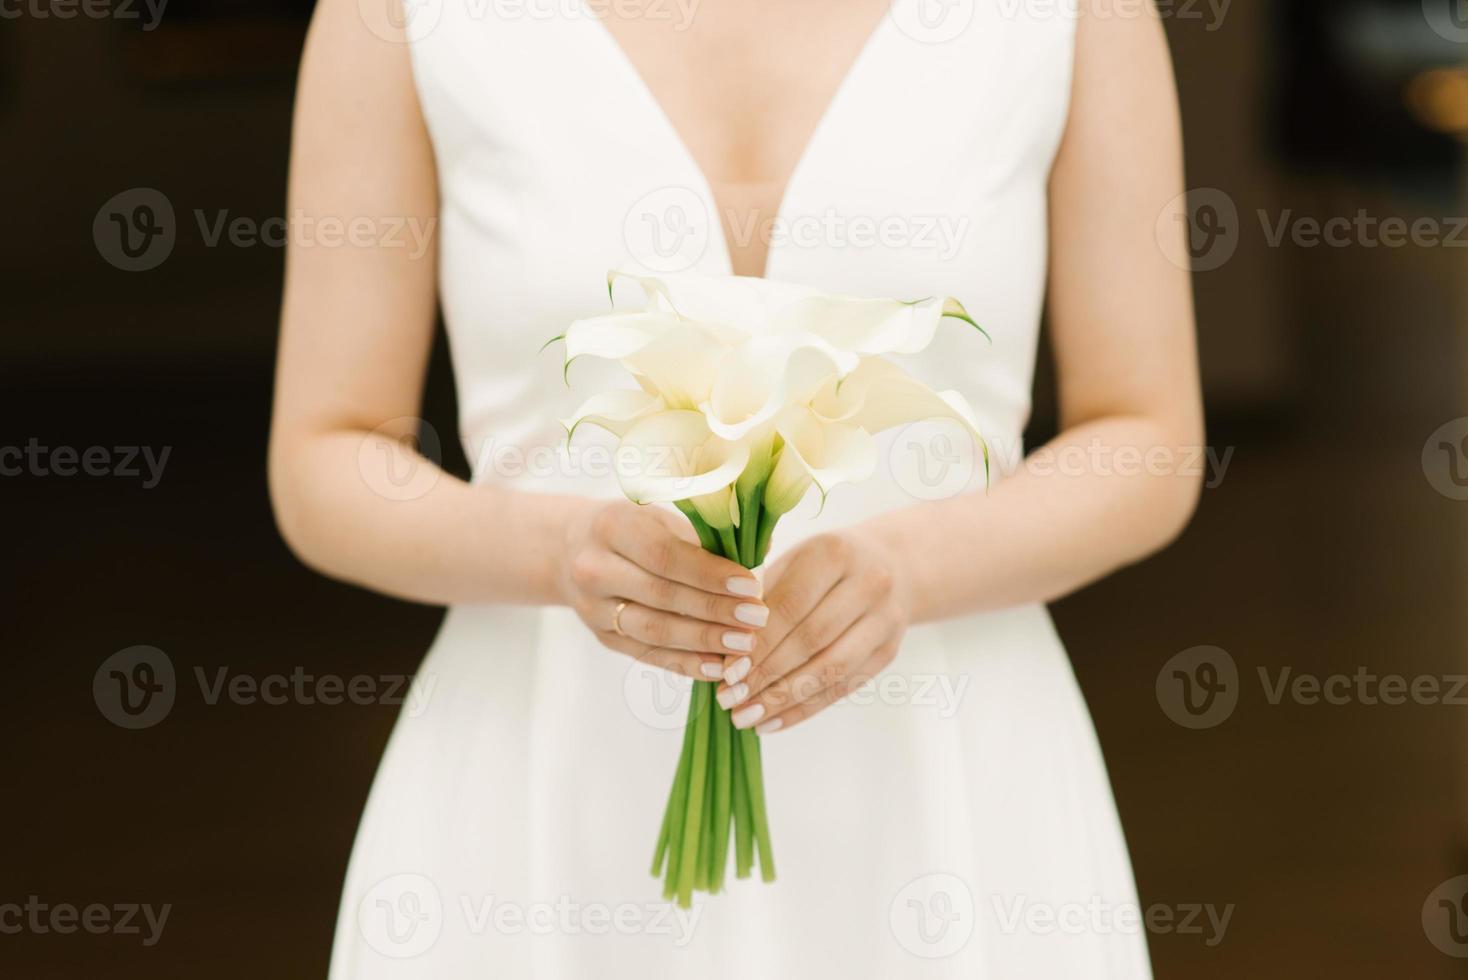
616,411
745,305
679,364
615,335
758,379
820,454
672,456
879,395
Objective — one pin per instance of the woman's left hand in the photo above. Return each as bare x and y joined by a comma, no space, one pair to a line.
838,608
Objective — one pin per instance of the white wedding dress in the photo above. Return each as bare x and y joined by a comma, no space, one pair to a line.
956,821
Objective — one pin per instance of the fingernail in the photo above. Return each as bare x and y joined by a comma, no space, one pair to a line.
737,671
712,671
773,725
745,586
748,612
745,717
730,696
739,641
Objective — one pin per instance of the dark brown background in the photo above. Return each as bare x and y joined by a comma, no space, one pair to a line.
1325,549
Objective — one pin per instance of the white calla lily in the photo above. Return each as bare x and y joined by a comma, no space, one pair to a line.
670,456
760,377
616,411
871,326
753,391
816,453
879,395
615,335
741,305
680,365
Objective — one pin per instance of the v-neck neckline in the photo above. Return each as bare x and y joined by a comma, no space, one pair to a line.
705,187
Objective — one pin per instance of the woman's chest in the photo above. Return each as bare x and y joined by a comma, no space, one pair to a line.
744,82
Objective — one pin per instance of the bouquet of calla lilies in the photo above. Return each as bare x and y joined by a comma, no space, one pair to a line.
749,393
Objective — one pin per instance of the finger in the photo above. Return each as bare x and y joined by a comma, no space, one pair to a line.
654,627
699,667
624,580
803,584
648,542
830,667
832,615
798,713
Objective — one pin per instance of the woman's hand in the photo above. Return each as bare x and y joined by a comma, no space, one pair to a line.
838,607
681,608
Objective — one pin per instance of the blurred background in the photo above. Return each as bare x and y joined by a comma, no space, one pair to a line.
1326,158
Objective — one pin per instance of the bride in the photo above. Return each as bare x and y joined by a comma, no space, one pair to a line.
1008,154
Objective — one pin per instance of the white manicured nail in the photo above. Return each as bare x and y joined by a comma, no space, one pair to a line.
773,725
748,612
737,671
745,586
730,696
745,717
712,671
742,642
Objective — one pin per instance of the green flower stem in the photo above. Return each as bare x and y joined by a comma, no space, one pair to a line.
702,874
743,841
698,777
767,523
706,535
751,515
719,783
723,763
754,776
672,833
730,544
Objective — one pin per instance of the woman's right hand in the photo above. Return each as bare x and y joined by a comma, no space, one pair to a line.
685,610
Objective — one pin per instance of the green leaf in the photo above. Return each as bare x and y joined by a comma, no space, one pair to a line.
953,308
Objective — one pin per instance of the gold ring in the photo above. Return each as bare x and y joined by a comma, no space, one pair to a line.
617,618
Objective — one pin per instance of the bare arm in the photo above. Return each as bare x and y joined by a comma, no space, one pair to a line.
1122,319
1123,335
355,335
